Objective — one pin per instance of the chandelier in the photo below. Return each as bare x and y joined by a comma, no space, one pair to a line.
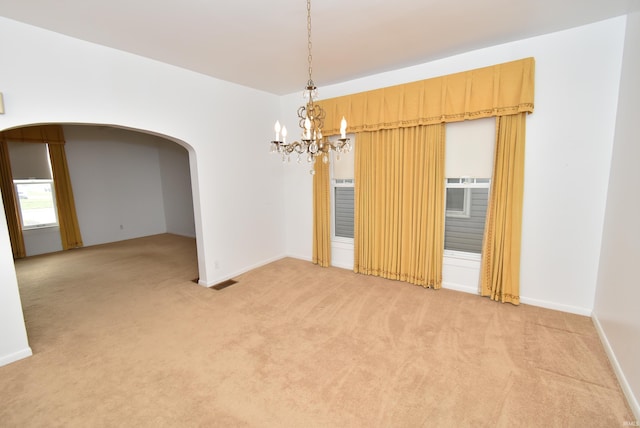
311,121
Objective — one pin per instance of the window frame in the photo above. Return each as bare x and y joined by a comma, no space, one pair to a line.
465,212
48,181
342,182
464,183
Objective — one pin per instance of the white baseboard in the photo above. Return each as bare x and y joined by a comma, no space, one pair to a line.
459,287
448,285
299,257
527,301
624,384
15,356
184,235
239,272
342,265
556,306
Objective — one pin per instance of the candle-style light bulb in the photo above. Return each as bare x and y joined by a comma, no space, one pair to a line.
307,128
277,129
343,128
284,135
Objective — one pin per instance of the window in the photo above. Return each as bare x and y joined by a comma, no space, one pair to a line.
33,182
468,168
458,200
37,203
466,201
343,208
342,195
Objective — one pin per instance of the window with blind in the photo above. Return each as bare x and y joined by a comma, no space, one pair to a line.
33,182
343,208
464,225
468,168
342,195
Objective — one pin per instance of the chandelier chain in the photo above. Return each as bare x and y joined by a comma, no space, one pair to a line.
309,57
311,121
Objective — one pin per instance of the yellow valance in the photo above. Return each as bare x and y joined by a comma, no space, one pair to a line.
51,134
498,90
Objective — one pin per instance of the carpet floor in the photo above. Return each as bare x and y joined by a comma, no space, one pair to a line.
122,336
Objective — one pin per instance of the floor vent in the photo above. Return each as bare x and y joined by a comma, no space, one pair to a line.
223,284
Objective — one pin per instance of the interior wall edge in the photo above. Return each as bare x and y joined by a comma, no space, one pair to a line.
617,369
239,272
15,356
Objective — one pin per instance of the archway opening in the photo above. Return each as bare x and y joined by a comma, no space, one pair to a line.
128,184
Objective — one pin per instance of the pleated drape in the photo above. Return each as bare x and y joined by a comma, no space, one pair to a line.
399,186
498,90
321,254
67,218
500,267
10,204
399,204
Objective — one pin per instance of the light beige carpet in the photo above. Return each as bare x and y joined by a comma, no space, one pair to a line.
122,337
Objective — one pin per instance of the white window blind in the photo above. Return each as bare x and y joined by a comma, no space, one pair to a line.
343,212
29,161
469,148
343,168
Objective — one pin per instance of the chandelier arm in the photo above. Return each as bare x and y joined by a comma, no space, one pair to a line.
311,121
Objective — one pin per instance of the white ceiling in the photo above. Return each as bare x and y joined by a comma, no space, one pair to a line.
262,43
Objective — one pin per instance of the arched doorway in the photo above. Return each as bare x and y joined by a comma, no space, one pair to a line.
128,183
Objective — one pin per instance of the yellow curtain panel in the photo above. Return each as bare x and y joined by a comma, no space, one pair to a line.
10,203
399,204
498,90
67,218
500,267
321,254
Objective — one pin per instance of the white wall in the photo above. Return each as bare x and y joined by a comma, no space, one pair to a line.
176,189
13,336
116,182
569,144
239,199
42,241
616,310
